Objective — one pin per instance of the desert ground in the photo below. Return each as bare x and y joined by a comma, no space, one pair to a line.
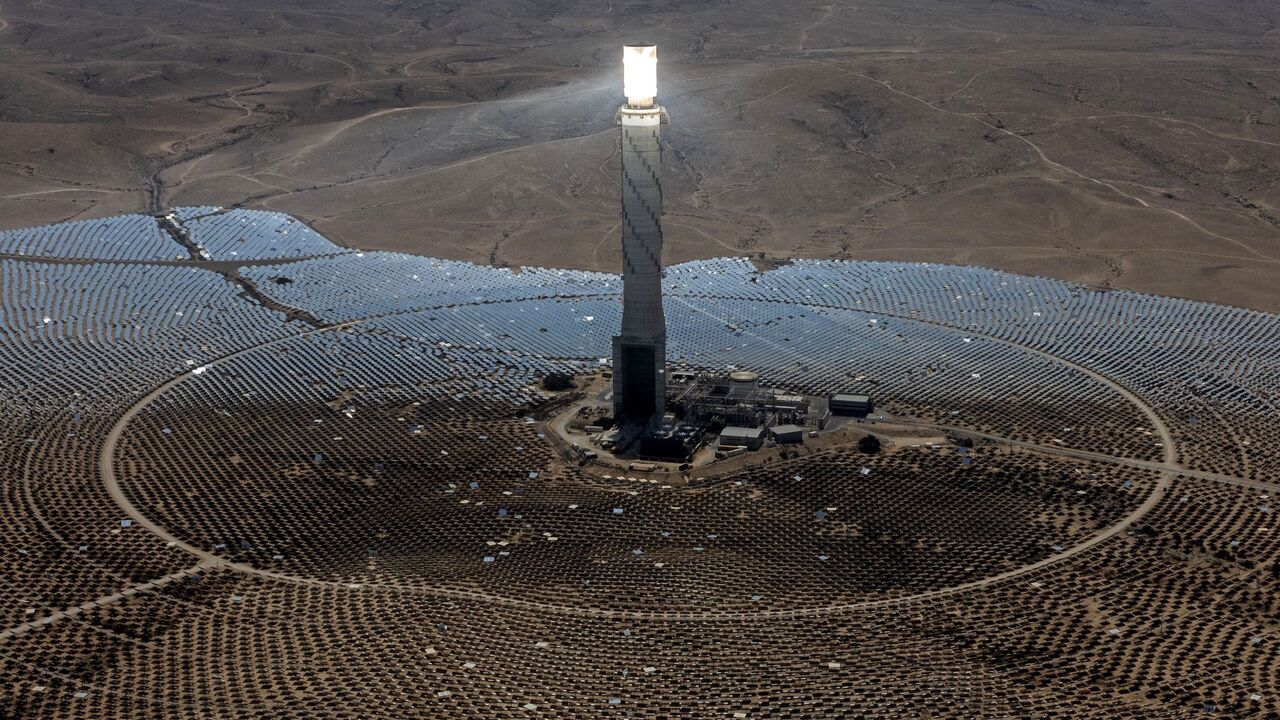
1122,143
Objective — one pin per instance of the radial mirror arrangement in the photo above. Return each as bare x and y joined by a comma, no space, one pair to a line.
250,473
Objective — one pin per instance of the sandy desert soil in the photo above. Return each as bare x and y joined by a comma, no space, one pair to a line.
1124,143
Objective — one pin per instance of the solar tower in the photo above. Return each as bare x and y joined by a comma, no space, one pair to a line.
639,351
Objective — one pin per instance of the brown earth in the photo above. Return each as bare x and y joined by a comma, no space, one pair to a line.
1118,142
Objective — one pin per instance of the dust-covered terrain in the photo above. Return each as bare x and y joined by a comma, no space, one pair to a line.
1122,143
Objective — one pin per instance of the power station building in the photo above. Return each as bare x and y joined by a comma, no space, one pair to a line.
639,351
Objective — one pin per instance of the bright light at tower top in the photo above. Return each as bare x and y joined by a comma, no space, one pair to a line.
640,75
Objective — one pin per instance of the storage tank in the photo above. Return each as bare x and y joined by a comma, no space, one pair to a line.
742,382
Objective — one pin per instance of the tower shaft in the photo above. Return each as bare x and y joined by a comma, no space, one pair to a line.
639,352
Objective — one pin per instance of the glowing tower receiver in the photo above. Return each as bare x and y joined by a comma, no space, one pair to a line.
640,75
640,350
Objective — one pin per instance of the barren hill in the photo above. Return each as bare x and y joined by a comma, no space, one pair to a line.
1123,143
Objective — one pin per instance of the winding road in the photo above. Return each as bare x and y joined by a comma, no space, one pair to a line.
1044,157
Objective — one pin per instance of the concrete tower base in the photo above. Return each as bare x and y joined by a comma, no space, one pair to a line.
639,377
